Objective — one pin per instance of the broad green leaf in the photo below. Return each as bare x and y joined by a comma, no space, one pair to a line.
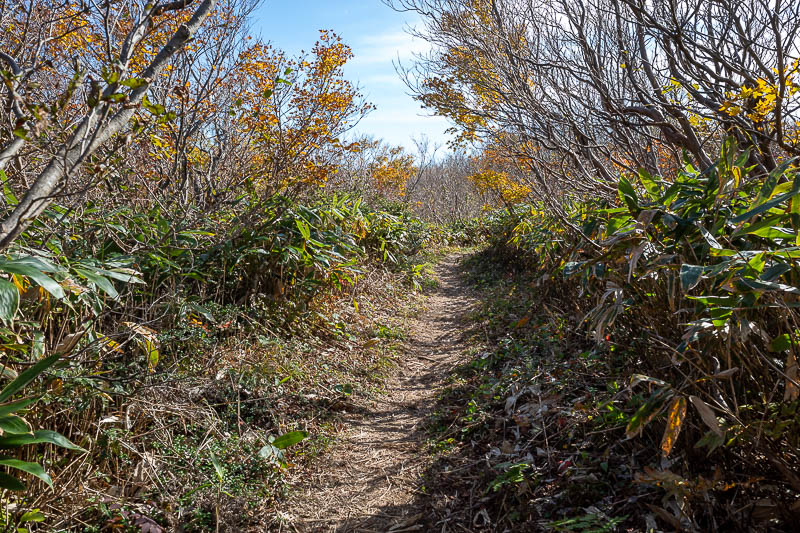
770,204
133,83
217,467
781,189
653,189
714,252
26,466
757,263
23,268
289,439
152,353
628,195
345,389
774,232
690,276
720,316
304,228
38,345
11,483
13,424
759,285
777,220
202,311
42,436
728,152
781,343
723,267
9,301
647,412
670,194
126,275
788,253
26,377
34,515
155,109
8,194
38,262
772,180
607,211
615,224
775,271
109,76
12,407
269,451
101,281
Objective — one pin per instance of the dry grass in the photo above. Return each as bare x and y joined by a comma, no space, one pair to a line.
151,441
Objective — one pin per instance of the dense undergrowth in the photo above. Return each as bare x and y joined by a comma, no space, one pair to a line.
192,361
640,365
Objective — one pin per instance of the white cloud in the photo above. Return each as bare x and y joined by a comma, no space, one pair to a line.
382,79
398,123
384,48
398,117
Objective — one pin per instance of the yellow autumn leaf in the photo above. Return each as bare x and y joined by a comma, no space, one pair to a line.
675,417
522,321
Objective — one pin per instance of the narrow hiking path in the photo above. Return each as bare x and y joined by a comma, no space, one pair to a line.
369,480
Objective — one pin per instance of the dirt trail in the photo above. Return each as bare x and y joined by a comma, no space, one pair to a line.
369,480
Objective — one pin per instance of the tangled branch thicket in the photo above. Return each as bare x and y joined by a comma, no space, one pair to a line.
576,92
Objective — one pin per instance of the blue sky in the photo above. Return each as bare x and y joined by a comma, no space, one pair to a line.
377,36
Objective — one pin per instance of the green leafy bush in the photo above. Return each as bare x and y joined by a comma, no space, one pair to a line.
16,432
696,275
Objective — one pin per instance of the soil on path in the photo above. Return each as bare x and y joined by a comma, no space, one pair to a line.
370,481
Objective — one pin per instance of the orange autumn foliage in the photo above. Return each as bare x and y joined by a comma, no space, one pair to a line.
295,111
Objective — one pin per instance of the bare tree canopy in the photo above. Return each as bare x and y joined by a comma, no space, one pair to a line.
125,74
577,91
